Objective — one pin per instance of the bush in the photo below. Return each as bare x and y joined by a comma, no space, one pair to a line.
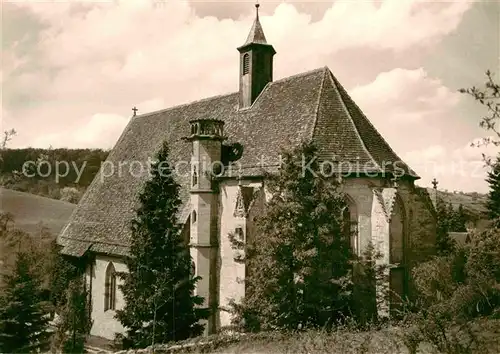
459,297
70,194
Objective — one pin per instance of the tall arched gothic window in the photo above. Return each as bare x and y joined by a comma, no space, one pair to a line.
110,288
396,233
398,276
350,215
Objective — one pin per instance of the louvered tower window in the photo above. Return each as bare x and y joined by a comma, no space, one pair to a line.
246,64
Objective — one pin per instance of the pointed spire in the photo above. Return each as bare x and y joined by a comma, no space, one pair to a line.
256,64
256,34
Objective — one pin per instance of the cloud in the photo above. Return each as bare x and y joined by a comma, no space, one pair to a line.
475,149
100,130
405,96
461,168
413,112
94,61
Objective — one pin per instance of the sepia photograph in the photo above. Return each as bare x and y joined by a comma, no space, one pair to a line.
196,176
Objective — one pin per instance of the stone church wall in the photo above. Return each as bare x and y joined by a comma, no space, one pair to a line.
231,273
104,324
372,226
360,197
421,221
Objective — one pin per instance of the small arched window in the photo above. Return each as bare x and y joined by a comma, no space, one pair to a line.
238,232
246,64
193,216
110,288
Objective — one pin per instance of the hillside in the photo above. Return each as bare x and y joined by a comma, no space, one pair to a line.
473,203
46,172
30,210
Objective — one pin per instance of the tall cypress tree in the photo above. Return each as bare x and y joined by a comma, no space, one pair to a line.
493,202
158,288
23,314
298,262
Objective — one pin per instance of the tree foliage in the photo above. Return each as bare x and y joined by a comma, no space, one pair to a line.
493,202
158,288
444,243
299,272
7,136
62,270
74,319
458,220
70,195
23,313
33,170
489,97
456,291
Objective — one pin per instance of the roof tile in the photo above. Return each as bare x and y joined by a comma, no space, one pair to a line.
304,107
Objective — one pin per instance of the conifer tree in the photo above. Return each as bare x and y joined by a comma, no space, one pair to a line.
61,271
458,220
298,262
160,305
493,202
23,314
444,243
75,323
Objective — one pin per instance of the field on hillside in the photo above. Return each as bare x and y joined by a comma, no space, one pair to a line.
31,214
30,211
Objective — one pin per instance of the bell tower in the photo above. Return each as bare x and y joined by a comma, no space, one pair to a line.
206,140
256,64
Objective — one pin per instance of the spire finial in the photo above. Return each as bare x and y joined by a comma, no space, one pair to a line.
257,5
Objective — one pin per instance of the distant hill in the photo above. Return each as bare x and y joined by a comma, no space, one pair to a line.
473,203
76,168
30,210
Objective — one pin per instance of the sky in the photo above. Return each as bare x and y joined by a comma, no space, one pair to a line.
73,70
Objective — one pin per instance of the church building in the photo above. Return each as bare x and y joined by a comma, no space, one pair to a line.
243,134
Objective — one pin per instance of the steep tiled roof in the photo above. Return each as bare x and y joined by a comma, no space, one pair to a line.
312,105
